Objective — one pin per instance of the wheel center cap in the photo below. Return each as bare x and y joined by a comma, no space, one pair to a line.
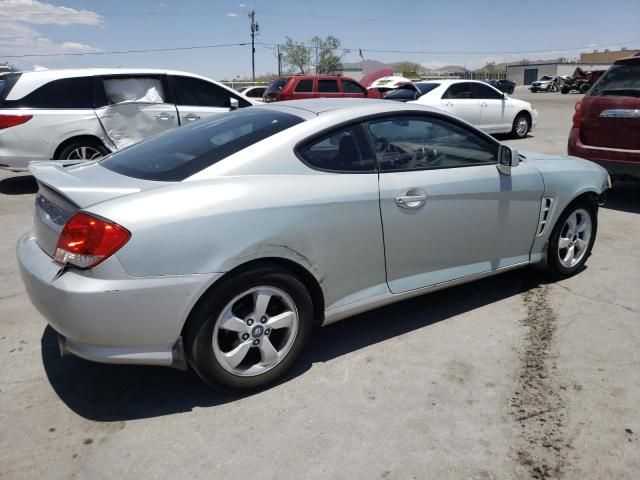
257,331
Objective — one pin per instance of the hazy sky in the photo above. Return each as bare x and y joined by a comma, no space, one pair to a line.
472,32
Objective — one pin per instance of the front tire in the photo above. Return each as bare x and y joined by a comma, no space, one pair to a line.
521,125
572,239
247,332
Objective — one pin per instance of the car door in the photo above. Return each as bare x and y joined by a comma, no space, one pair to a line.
493,108
132,108
197,98
458,100
447,212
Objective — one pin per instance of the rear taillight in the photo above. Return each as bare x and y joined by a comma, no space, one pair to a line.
86,241
577,116
7,121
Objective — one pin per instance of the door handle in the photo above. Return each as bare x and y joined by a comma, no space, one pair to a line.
448,104
164,116
192,117
411,199
483,104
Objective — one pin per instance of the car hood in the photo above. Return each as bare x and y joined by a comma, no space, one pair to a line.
545,162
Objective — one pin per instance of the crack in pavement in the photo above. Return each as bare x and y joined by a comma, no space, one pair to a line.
537,404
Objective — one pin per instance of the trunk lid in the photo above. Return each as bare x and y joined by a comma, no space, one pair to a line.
64,188
611,110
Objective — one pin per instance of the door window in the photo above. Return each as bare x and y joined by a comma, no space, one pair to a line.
484,92
328,86
304,86
459,91
200,93
352,87
134,90
340,151
423,143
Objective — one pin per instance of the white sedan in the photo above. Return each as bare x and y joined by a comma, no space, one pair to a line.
482,106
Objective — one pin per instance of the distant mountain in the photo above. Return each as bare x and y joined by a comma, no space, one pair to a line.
450,69
367,66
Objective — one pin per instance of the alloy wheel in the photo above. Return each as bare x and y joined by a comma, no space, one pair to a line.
255,331
84,153
522,126
574,238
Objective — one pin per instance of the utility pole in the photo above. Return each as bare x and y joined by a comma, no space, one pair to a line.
254,29
279,62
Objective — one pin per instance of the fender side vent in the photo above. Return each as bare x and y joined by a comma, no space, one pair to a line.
545,208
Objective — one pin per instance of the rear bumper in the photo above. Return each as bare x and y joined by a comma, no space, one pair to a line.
619,163
106,316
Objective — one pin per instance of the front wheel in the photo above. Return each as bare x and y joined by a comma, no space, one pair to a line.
584,88
521,125
572,239
246,333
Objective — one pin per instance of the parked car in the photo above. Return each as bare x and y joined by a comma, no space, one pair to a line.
548,83
581,81
299,87
88,113
384,85
506,86
410,91
482,106
222,244
606,123
254,92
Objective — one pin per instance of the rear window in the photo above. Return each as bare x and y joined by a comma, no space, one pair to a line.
620,80
184,151
402,94
426,87
62,93
7,81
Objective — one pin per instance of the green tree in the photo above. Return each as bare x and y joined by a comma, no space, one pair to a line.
408,69
295,56
327,54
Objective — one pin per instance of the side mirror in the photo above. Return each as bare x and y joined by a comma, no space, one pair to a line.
508,158
233,104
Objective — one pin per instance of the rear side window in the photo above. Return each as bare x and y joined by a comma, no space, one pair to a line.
62,93
328,86
344,150
352,87
182,152
620,80
304,86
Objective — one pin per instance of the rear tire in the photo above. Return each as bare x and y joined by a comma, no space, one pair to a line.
584,88
83,149
521,125
572,239
266,346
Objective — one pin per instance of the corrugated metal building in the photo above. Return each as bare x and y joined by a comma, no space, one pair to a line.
526,74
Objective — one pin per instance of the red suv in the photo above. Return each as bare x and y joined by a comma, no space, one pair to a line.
606,125
315,86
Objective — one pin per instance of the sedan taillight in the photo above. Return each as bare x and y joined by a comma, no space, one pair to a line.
577,117
86,241
7,121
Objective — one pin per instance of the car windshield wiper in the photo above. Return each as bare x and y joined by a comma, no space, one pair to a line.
622,92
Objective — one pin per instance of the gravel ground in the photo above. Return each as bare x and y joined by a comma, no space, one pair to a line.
510,377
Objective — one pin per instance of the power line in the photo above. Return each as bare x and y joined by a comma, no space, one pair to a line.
112,52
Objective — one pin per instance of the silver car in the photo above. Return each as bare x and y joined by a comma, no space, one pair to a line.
222,244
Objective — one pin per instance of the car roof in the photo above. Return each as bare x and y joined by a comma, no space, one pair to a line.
30,80
452,81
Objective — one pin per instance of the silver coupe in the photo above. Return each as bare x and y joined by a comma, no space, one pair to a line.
220,245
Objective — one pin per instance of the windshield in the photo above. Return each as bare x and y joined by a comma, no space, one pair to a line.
546,78
277,85
620,80
184,151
